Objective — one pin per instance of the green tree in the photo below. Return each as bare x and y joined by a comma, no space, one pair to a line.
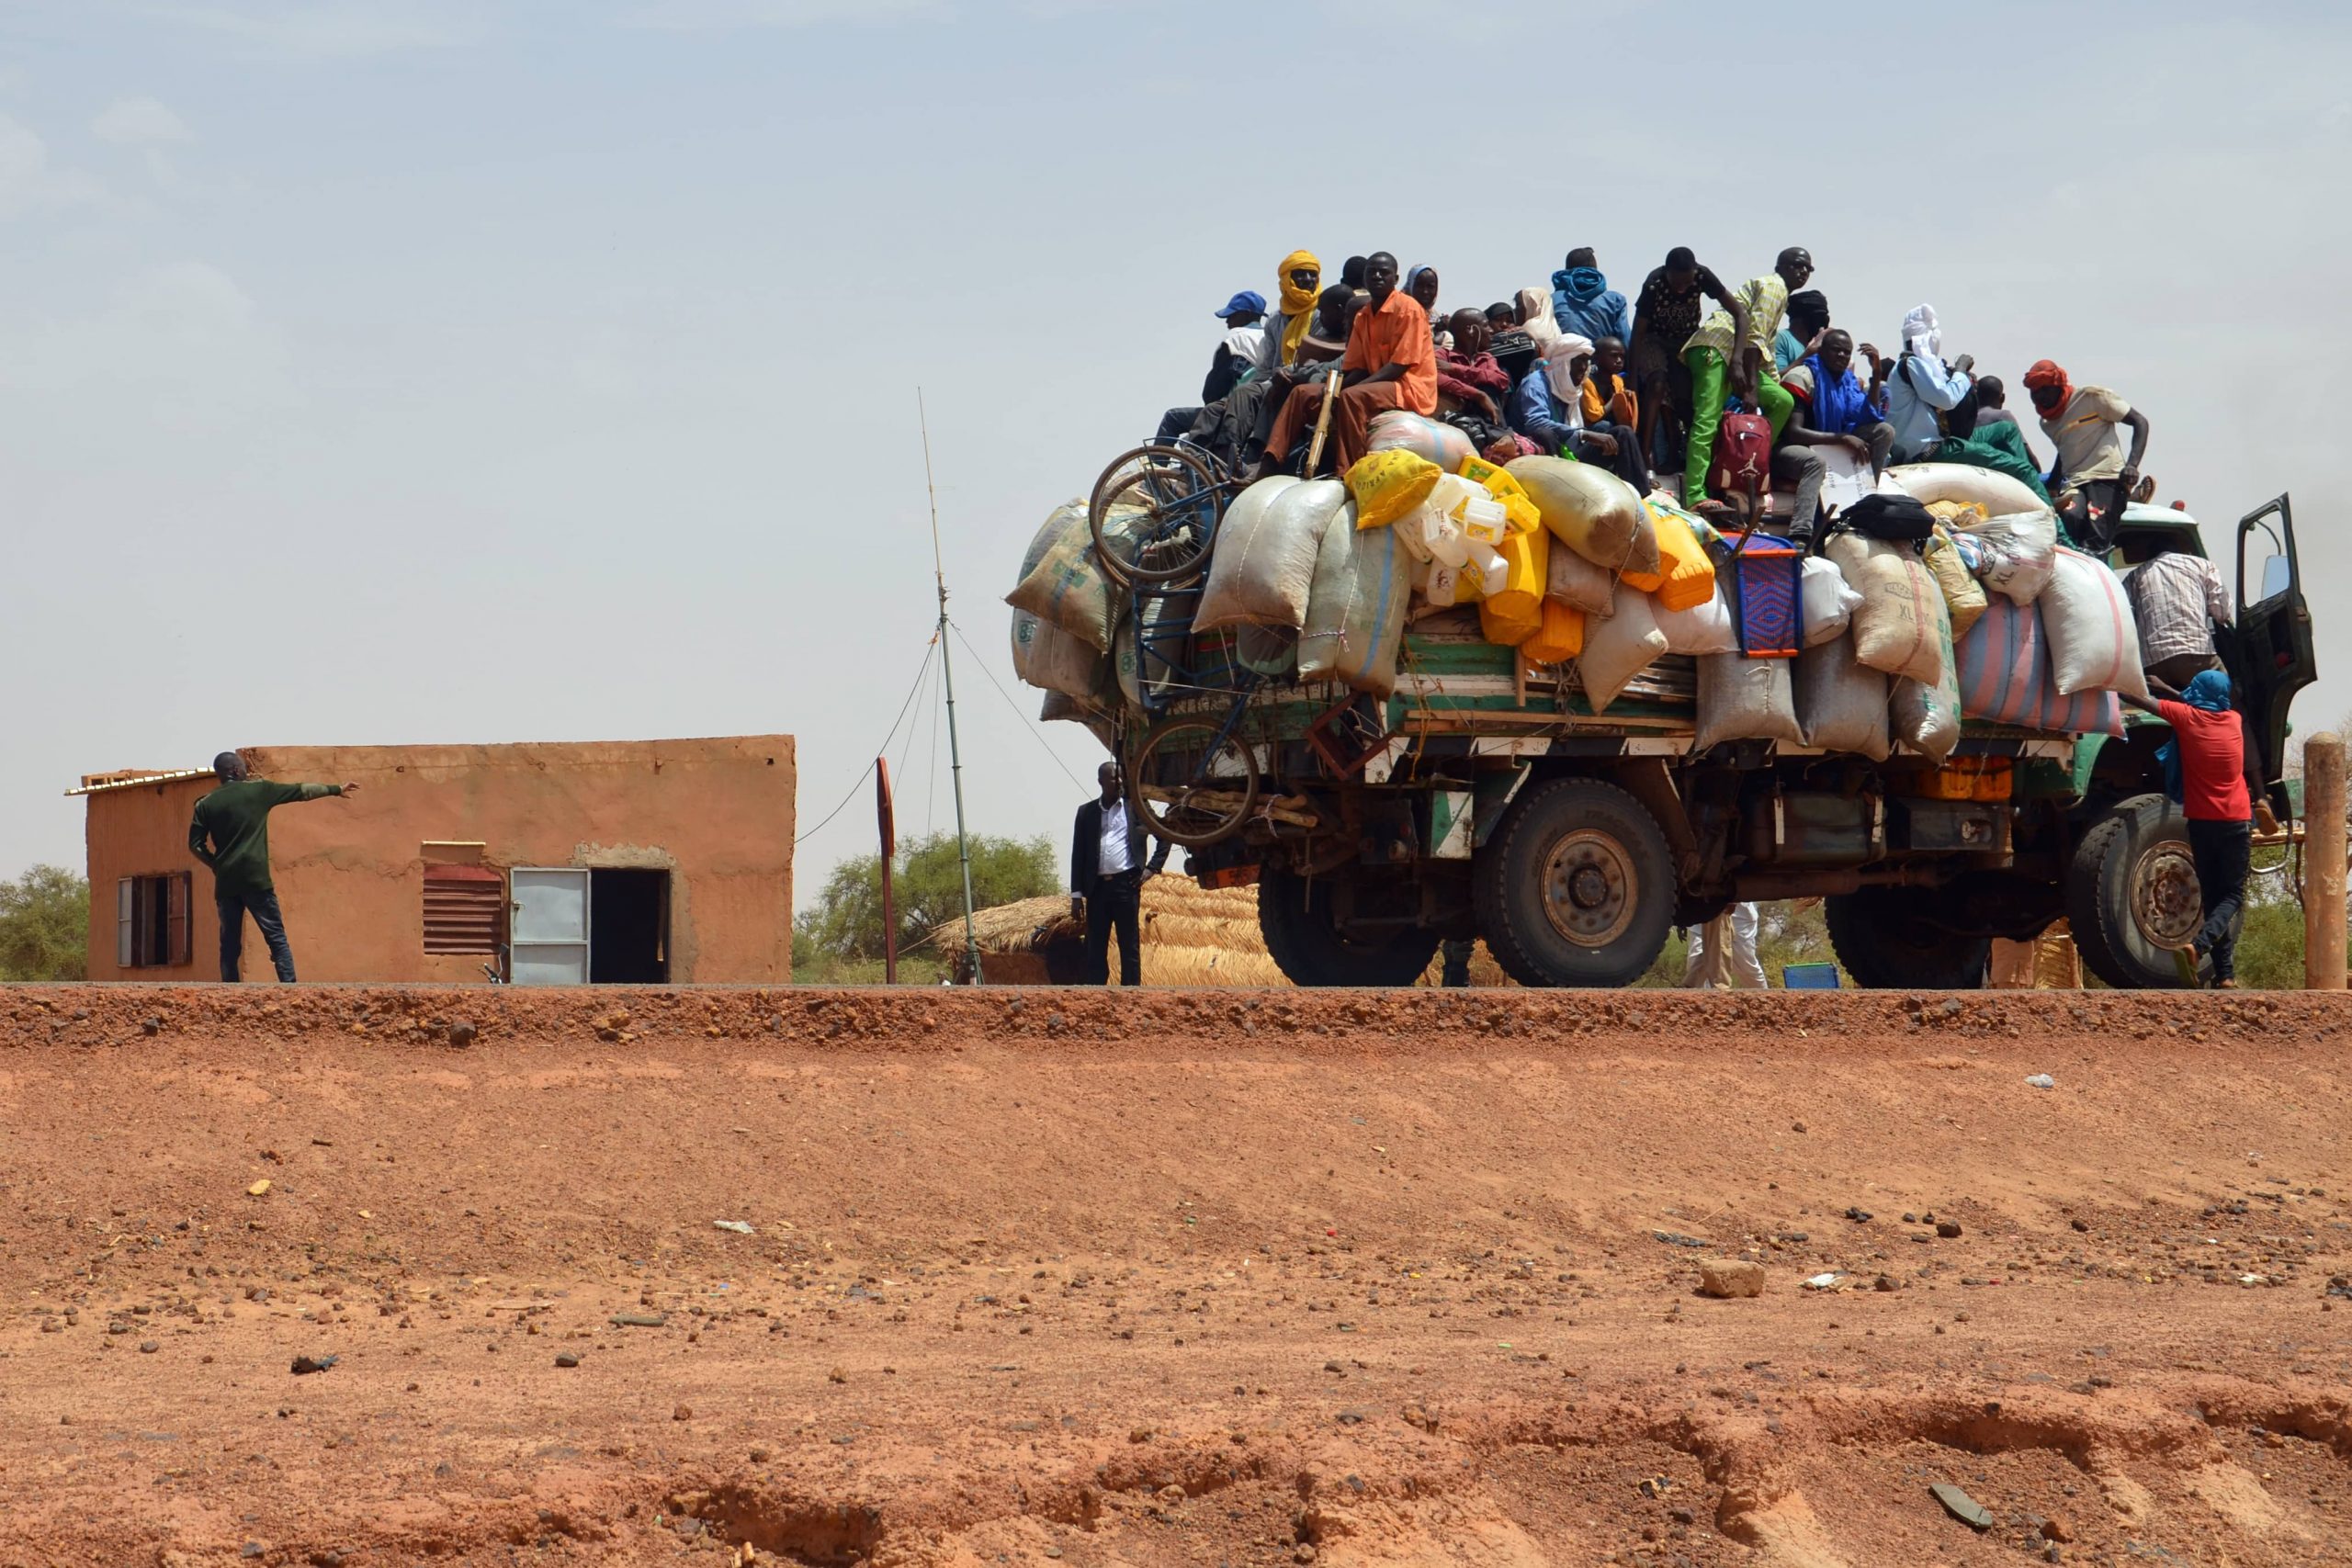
45,926
928,885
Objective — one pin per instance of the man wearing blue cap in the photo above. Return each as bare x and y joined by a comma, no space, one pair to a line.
1236,357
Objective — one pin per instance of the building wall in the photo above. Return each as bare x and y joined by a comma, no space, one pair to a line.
718,814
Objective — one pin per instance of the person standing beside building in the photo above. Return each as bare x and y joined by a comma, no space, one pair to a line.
1106,878
230,833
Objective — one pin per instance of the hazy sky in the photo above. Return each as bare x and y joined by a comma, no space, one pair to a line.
392,370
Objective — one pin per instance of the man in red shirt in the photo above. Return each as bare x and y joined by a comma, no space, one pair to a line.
1391,364
2211,744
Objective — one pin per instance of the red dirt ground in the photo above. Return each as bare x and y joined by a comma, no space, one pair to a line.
1170,1279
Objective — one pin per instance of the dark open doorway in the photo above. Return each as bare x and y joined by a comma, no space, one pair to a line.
629,927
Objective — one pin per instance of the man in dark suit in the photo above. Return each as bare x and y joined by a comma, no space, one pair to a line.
1106,876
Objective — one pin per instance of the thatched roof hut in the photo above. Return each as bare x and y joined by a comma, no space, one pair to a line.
1191,936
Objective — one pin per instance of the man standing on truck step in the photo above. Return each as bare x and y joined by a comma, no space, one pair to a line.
235,818
1391,363
2211,746
1106,878
2091,477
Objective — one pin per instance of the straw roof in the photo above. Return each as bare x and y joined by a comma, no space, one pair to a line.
1191,936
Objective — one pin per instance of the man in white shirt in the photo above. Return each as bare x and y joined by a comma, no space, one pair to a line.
1106,875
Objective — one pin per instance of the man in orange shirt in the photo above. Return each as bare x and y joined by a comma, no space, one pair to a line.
1391,364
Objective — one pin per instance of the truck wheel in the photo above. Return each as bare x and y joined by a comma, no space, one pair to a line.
1577,886
2132,895
1887,942
1296,922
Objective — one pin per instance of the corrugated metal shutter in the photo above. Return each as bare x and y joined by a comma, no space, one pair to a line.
465,908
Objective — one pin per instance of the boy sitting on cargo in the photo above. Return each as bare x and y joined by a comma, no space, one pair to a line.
1833,409
1548,409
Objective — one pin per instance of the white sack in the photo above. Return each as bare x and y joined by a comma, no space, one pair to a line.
1927,717
1996,492
2086,620
1830,601
1745,699
1062,582
1045,655
1355,616
1895,626
1703,628
1841,702
1264,566
1618,647
2019,549
1577,583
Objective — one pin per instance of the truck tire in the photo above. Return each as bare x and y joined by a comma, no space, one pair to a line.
1577,886
2131,891
1888,941
1296,921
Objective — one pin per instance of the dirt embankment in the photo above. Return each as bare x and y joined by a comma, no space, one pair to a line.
1173,1279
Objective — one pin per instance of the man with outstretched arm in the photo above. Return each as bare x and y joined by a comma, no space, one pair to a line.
230,833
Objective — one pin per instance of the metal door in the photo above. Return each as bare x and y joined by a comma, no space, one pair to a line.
548,939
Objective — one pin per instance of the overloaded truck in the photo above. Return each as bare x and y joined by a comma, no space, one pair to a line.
1482,794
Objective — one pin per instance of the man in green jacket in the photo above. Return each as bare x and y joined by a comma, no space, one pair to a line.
235,818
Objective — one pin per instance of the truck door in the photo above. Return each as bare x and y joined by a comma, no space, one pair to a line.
2273,632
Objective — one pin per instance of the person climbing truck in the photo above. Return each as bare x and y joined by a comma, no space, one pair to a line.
235,818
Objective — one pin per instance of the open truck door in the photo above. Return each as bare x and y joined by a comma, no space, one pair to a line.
2275,655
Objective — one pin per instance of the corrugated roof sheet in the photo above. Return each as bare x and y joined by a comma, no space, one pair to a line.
131,778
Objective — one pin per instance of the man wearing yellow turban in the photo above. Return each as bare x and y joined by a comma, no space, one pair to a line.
1299,280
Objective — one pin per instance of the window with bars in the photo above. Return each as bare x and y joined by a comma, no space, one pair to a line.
465,908
152,922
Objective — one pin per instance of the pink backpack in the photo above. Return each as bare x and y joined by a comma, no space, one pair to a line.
1743,464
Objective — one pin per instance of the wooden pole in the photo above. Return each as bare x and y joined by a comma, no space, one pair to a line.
885,818
2323,863
1322,424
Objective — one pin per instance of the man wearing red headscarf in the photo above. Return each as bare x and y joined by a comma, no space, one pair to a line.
2091,475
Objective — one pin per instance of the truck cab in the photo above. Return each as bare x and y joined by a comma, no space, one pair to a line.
2133,896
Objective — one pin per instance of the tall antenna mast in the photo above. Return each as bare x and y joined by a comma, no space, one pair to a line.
947,674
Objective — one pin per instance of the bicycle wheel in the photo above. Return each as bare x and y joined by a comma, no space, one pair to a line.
1154,513
1195,782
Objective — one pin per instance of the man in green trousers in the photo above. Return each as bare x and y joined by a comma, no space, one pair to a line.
230,834
1718,356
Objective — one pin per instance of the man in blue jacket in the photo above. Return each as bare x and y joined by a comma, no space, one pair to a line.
1583,303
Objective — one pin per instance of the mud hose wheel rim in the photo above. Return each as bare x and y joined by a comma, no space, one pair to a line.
2165,905
1590,888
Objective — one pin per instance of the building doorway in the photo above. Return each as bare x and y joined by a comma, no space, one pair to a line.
628,915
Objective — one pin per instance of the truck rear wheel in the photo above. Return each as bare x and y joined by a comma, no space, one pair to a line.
2132,895
1307,945
1887,942
1577,886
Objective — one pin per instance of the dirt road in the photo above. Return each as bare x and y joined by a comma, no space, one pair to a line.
1191,1279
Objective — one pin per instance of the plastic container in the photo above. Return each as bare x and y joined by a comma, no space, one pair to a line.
1444,585
1485,521
1493,572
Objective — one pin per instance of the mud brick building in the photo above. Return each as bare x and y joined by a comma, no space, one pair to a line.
608,862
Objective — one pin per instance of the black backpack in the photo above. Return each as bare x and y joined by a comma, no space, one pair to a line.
1884,516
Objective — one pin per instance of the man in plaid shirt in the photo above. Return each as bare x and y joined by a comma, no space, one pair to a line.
2176,598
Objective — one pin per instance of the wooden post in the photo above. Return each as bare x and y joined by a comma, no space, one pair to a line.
1322,424
885,818
2323,863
